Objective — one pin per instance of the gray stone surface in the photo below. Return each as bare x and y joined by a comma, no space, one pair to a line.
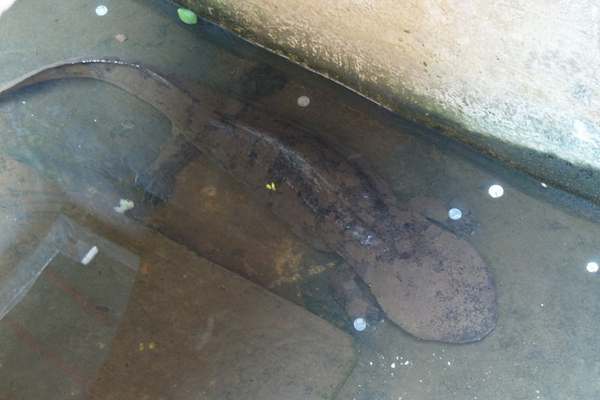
516,79
155,320
217,336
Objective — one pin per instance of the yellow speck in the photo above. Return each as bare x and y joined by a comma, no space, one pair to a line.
151,345
141,346
271,186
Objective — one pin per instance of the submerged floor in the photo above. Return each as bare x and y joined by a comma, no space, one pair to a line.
137,329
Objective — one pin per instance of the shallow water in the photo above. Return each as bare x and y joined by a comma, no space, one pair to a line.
72,150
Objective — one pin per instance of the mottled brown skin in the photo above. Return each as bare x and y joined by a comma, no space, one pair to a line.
429,282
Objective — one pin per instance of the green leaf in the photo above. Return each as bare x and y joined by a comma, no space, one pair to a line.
187,16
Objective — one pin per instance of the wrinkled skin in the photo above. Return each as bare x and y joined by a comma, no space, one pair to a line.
428,281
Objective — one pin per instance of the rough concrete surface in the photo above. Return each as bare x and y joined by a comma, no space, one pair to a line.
517,79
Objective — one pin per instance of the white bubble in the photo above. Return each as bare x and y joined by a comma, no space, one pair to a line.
124,205
496,191
303,101
454,214
101,10
592,267
89,256
544,185
360,324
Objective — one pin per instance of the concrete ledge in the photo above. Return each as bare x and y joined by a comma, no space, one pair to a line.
518,81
